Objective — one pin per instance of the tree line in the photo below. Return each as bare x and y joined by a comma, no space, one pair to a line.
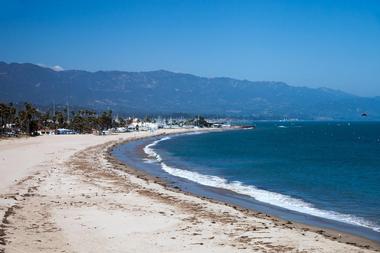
29,120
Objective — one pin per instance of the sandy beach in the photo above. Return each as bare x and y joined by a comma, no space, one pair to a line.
67,194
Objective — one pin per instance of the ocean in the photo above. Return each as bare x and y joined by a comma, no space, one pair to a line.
323,173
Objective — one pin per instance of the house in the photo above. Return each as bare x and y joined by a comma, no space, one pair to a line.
64,131
46,132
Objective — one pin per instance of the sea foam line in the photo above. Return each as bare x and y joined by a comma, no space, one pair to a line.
265,196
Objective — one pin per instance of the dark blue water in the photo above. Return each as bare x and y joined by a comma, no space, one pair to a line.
329,170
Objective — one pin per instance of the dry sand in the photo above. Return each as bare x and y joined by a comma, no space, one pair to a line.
66,194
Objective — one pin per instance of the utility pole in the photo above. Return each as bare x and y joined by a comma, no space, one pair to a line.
68,112
54,108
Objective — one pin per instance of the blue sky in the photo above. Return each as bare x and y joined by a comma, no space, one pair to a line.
334,44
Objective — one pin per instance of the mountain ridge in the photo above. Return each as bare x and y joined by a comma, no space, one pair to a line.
162,91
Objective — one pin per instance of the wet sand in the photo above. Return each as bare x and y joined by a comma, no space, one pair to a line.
70,195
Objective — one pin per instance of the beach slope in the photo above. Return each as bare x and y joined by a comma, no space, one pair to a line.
67,194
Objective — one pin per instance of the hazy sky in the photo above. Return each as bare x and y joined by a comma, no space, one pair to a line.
331,43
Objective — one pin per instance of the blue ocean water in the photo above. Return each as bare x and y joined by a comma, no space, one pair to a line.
326,169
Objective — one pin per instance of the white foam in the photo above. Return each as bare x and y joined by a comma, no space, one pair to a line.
265,196
150,152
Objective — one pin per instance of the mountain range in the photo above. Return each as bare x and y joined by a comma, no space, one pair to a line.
164,92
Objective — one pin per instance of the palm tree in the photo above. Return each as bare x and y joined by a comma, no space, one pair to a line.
28,118
105,120
7,115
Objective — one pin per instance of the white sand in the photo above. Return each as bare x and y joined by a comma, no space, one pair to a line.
55,201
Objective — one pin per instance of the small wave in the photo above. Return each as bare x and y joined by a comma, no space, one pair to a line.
194,133
265,196
150,152
146,160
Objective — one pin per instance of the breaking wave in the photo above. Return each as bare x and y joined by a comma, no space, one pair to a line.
265,196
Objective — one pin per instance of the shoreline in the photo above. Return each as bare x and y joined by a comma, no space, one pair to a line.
71,195
330,233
